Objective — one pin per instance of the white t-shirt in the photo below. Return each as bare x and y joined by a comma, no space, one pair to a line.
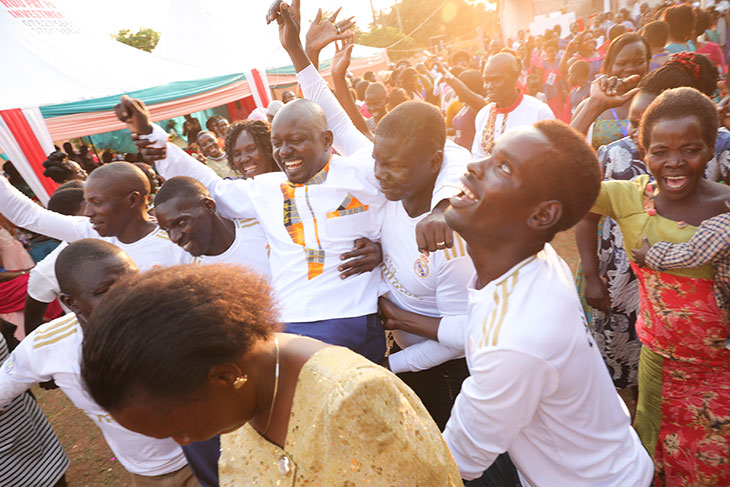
433,285
527,112
42,282
539,388
249,248
53,351
152,250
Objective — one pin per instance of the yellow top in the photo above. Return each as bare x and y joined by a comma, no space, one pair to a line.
352,423
627,203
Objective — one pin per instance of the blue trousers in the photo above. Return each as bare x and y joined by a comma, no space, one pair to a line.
202,456
361,334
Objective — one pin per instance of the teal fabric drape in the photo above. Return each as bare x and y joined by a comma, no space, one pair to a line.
158,94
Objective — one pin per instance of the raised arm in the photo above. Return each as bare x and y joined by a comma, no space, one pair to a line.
347,139
322,32
340,64
474,100
230,195
25,213
606,93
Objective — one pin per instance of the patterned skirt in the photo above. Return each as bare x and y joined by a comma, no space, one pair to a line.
683,414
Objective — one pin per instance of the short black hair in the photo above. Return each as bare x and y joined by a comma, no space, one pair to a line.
656,33
703,21
681,20
680,103
396,97
569,172
379,87
210,123
581,67
360,89
74,183
156,335
77,253
416,121
183,186
682,69
474,81
67,201
618,44
259,131
615,31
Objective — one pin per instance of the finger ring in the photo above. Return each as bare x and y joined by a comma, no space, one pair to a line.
440,243
337,28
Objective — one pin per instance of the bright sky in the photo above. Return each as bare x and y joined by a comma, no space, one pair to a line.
110,16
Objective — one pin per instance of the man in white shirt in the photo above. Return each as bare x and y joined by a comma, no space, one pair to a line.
116,197
86,270
508,107
538,388
431,284
185,210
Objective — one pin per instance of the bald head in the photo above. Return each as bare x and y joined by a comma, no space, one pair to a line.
503,62
122,175
181,187
305,111
500,79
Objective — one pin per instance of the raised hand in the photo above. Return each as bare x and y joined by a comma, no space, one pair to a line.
288,18
325,31
134,113
613,92
343,56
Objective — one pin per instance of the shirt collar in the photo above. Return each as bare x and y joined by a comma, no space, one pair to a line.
318,178
512,106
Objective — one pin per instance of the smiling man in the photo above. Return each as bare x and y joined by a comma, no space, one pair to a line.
116,197
215,158
538,388
508,107
186,211
310,214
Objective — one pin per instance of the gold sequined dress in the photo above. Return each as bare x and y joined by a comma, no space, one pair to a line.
352,423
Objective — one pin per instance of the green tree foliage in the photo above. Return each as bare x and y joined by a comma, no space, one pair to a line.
145,39
455,23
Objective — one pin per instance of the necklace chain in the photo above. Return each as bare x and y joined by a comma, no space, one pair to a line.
276,386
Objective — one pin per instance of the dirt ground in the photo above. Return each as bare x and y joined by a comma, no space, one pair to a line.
92,462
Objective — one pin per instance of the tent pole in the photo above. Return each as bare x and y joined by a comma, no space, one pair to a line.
94,147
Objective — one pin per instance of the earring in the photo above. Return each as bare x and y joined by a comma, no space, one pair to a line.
240,381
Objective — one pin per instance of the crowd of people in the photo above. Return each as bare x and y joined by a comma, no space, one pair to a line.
355,285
